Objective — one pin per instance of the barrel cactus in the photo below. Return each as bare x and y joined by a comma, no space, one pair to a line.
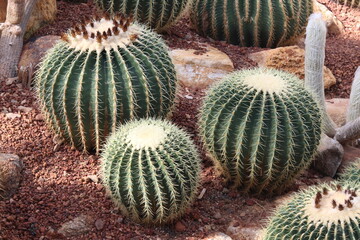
351,173
319,213
261,128
156,14
151,170
102,73
250,23
350,3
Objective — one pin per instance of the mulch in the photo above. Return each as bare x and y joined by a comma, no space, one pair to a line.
56,188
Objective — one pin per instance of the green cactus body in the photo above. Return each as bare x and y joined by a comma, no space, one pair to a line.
350,3
261,127
251,23
318,213
103,73
156,14
351,173
151,170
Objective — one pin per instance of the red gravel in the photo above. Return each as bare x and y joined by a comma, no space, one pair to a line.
54,189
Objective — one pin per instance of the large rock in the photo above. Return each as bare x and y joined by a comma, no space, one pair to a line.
78,226
10,174
43,12
290,59
31,55
334,25
198,71
337,108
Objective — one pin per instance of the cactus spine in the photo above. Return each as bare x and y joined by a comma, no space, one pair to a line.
350,3
322,212
158,15
314,66
104,72
261,127
151,170
250,23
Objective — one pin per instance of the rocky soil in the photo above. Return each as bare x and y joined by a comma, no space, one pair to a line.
60,193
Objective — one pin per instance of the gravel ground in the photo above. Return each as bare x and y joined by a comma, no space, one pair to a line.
56,186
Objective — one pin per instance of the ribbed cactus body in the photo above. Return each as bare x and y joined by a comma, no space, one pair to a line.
151,170
261,127
318,213
101,74
251,23
351,173
350,3
156,14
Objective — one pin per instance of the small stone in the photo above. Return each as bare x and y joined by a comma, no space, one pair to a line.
217,215
218,236
92,178
12,115
10,174
39,117
189,97
99,224
25,109
77,226
120,220
180,227
10,81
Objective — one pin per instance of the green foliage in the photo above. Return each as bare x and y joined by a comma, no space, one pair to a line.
318,213
156,14
151,170
261,127
351,173
250,23
103,73
350,3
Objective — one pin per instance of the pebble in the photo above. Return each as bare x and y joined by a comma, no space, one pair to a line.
92,178
25,109
12,115
99,224
180,227
217,215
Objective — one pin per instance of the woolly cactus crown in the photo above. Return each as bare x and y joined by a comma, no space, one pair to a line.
151,170
321,212
105,71
261,127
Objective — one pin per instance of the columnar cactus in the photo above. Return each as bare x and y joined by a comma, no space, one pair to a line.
351,173
322,212
102,73
151,170
350,3
156,14
250,23
261,127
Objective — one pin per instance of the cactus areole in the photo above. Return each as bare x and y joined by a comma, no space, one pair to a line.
261,127
251,23
151,170
325,212
103,72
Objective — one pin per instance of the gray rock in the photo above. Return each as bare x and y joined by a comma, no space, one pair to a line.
244,233
77,226
329,156
10,174
218,236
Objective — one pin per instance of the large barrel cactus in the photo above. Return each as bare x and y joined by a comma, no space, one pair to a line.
350,3
261,127
351,173
151,170
250,23
156,14
102,73
319,213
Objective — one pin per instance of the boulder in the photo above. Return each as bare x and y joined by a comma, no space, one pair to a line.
336,108
31,55
198,71
290,59
334,25
43,12
10,175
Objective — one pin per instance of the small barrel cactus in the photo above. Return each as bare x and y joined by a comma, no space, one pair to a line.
104,72
250,23
156,14
261,127
151,170
351,173
350,3
318,213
